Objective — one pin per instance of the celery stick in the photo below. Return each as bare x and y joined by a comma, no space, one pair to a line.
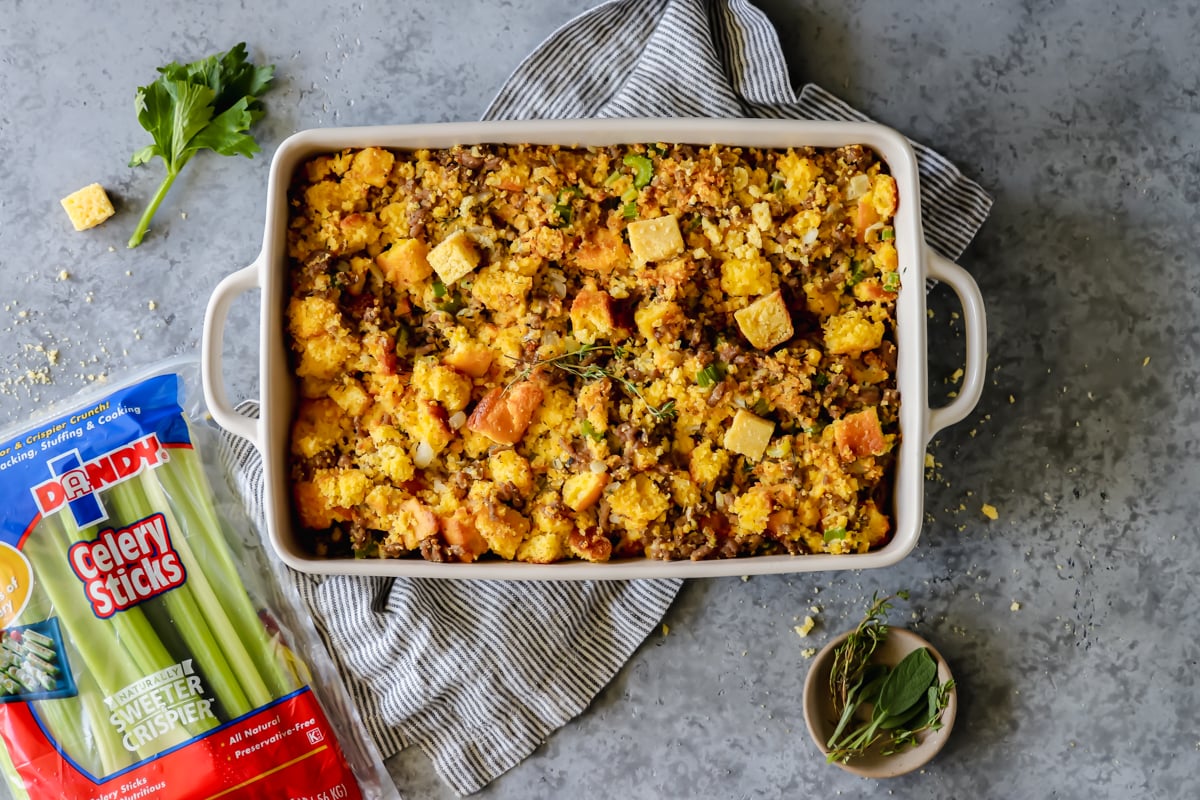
231,644
102,651
108,744
130,625
63,721
186,484
130,502
15,783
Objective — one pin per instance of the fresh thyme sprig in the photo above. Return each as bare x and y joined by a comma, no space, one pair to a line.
593,372
899,702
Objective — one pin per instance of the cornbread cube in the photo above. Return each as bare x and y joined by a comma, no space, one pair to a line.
749,434
501,290
859,434
823,304
414,522
602,251
313,509
504,413
752,509
509,466
405,263
472,358
745,277
800,175
591,315
444,384
343,488
884,196
638,501
852,332
358,231
453,258
325,344
88,207
583,490
320,424
660,320
705,465
541,548
766,322
351,397
655,239
503,528
459,531
878,525
372,165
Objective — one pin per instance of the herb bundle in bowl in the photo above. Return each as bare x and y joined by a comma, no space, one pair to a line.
879,701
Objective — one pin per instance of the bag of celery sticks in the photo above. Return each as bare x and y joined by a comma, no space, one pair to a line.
144,650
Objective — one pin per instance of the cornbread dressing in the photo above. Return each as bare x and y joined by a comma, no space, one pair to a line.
544,353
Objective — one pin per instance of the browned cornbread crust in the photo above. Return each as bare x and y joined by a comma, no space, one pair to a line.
540,353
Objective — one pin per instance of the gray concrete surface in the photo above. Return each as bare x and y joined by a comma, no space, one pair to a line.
1070,621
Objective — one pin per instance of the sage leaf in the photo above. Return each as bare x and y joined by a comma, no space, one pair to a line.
908,682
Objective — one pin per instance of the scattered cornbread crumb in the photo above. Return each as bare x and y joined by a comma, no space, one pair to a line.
40,375
957,376
1015,606
666,629
1146,361
745,578
88,207
808,652
805,628
929,463
1011,399
989,511
152,305
63,275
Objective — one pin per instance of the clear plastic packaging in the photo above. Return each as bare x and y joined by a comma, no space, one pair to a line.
147,649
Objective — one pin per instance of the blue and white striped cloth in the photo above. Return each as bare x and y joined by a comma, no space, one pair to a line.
477,674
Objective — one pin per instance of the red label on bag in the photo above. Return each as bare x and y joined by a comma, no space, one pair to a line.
284,750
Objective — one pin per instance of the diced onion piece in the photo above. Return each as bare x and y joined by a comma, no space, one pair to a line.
810,236
457,420
598,466
424,455
858,186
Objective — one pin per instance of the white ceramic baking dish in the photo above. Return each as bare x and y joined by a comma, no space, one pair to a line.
918,422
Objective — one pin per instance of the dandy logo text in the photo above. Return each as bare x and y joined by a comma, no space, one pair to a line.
123,567
76,483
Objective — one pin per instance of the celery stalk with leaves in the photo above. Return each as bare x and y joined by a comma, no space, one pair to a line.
209,104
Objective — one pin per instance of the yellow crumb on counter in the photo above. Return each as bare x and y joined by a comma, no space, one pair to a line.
805,628
88,207
990,512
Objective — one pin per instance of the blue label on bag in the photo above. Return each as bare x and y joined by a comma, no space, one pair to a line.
62,466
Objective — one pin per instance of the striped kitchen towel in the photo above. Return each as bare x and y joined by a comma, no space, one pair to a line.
478,674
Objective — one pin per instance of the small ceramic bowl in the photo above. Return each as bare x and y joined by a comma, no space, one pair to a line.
819,716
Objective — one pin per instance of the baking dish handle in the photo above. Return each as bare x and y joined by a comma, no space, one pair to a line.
964,286
211,342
